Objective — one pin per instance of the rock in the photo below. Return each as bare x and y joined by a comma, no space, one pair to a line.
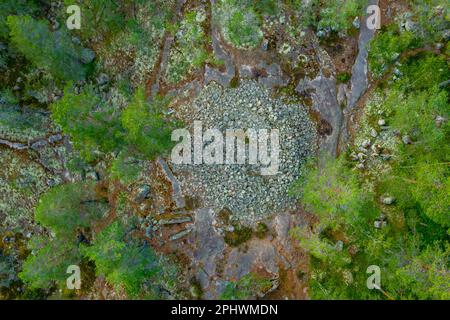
175,221
373,133
38,144
354,156
76,40
376,149
142,193
177,195
379,224
55,138
102,79
148,231
410,25
446,35
366,143
397,72
387,200
439,120
321,34
92,175
51,182
381,122
406,139
356,23
87,55
265,45
180,234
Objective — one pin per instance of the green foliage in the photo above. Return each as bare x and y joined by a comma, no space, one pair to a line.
66,208
330,15
432,17
100,18
147,130
14,7
238,236
48,262
425,277
432,191
126,264
343,77
412,250
88,120
7,272
333,193
125,169
386,47
189,51
416,102
246,287
338,15
241,25
141,128
63,210
53,51
321,248
261,230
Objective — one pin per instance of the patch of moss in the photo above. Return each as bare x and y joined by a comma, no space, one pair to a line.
261,230
301,275
196,289
240,235
234,83
343,77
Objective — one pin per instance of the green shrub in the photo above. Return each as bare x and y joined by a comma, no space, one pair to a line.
432,17
246,287
343,77
12,8
125,264
147,130
48,262
333,193
386,47
53,51
99,18
338,15
66,208
91,124
238,236
241,25
189,51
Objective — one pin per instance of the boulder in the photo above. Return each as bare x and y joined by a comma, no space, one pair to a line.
387,200
87,55
142,193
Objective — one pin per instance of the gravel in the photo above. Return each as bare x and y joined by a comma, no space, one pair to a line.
240,188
